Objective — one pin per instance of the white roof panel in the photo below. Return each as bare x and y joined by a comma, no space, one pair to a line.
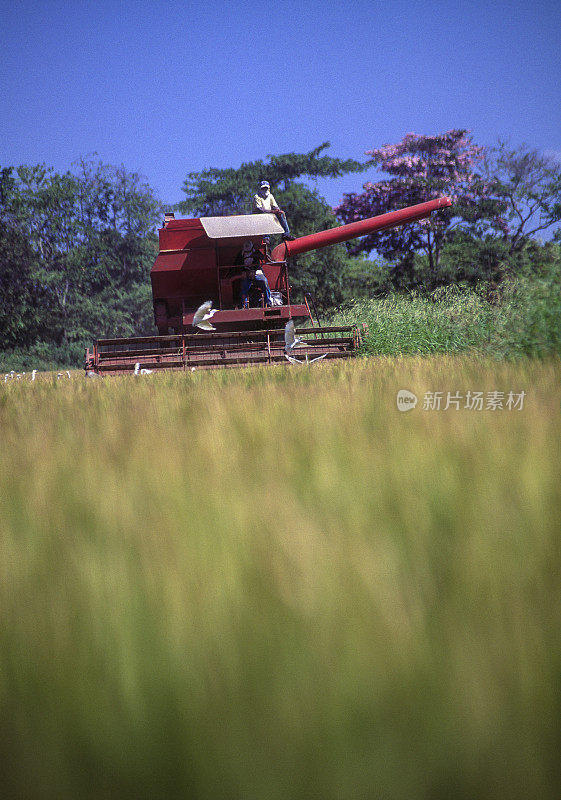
241,226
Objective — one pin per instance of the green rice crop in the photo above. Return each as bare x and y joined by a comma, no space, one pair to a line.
270,583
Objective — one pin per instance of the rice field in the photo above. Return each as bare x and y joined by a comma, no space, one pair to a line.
271,583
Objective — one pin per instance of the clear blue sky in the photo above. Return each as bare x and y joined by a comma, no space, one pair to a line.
166,88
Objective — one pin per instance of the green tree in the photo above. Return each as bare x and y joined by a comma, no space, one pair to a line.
19,317
82,245
467,258
529,184
216,192
20,292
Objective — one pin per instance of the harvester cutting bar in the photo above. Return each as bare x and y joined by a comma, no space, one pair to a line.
184,352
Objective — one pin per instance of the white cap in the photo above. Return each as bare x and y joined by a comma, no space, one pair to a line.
265,185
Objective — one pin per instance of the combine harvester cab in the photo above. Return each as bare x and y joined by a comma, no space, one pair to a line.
202,259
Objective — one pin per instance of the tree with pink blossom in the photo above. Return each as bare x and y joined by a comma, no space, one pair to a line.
422,168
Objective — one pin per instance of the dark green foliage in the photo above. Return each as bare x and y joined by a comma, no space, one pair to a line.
20,295
43,356
530,324
491,259
75,257
367,277
465,259
471,260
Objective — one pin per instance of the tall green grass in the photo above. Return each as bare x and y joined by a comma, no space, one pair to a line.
451,320
523,319
530,322
270,583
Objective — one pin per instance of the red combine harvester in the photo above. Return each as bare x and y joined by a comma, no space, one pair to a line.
200,260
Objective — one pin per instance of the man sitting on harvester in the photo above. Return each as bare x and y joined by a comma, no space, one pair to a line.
265,203
253,275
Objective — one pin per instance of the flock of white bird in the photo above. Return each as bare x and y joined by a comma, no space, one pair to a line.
201,319
18,376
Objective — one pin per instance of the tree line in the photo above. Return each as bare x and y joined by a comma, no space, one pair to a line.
76,249
75,253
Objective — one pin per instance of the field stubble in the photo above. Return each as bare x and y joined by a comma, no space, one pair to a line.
270,583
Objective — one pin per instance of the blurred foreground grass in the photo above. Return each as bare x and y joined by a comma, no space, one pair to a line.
272,584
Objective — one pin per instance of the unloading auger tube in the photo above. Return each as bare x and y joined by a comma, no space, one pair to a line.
315,241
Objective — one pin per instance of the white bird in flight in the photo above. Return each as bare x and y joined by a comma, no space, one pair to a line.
290,339
202,316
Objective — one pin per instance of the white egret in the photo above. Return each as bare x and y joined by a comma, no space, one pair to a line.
202,316
290,339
